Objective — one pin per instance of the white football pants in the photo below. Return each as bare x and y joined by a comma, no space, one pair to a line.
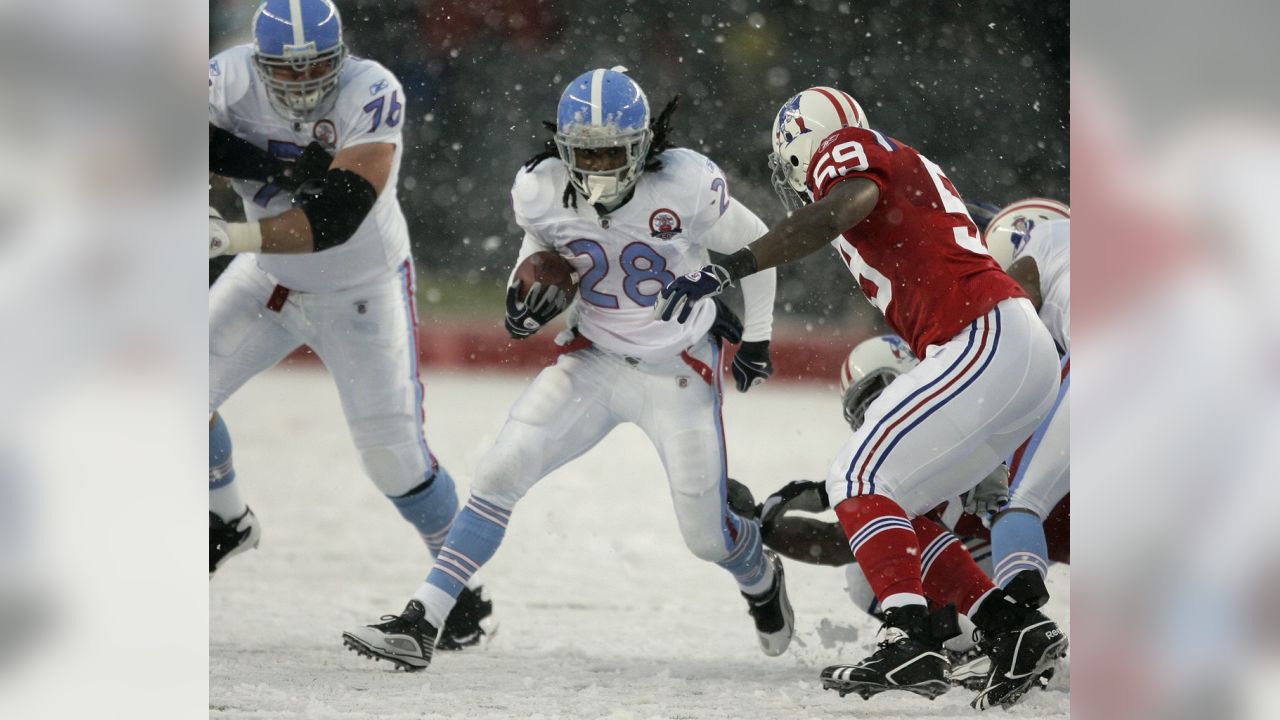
942,427
364,335
572,405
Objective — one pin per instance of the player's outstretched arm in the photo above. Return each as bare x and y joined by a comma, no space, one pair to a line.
324,219
808,540
809,228
1026,273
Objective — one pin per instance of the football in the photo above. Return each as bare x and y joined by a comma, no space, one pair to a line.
547,268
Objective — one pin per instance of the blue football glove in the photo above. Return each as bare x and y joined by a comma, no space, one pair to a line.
678,298
539,306
752,366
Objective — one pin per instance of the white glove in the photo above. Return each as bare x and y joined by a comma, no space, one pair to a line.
989,495
219,241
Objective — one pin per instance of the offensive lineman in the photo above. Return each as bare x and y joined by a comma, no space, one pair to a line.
324,261
987,376
630,213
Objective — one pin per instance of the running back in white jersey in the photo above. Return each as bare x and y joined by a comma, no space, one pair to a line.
1049,244
625,258
369,108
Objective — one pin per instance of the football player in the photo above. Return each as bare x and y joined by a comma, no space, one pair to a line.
988,375
630,213
870,368
1032,241
312,140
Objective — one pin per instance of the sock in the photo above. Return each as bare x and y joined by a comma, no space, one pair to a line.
224,496
1017,542
885,545
430,508
950,574
476,534
746,560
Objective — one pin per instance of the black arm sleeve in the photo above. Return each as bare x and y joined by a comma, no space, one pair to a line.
233,157
338,208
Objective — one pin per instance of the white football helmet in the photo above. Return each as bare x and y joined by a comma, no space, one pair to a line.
873,364
1009,228
801,125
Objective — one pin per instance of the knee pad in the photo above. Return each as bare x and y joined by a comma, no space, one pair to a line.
512,466
393,451
708,543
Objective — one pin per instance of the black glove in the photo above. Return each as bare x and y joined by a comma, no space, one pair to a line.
540,305
310,167
796,495
727,326
741,501
752,366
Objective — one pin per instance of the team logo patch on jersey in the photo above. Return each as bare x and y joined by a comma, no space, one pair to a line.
664,224
325,133
378,87
214,68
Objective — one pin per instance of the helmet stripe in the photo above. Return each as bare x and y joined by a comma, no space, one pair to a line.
597,96
1032,204
844,119
295,19
853,106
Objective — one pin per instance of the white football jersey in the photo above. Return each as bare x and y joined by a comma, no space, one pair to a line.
1049,244
625,258
369,108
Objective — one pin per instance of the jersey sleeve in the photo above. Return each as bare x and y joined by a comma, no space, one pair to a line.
372,108
732,228
227,83
850,153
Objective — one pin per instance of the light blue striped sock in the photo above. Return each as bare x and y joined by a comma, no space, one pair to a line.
1017,544
476,534
430,508
746,560
224,496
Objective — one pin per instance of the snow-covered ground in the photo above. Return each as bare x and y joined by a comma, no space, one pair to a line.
601,611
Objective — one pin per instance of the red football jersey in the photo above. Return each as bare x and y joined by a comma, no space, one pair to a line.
918,256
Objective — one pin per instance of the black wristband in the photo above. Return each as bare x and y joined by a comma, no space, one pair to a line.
740,264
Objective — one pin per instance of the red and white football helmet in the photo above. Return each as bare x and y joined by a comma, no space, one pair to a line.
870,367
1009,228
801,125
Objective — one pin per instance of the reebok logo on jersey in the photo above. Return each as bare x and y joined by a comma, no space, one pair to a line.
378,87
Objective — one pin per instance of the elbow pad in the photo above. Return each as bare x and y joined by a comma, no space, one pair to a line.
338,208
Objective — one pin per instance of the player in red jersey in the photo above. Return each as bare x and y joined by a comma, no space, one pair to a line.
988,375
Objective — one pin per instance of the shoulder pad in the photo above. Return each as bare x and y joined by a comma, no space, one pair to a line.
538,191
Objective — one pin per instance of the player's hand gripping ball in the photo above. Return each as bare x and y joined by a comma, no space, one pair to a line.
543,286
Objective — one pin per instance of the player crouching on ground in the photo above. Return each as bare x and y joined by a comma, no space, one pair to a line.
955,528
630,213
987,377
312,140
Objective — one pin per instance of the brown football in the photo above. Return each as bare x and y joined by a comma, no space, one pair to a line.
547,268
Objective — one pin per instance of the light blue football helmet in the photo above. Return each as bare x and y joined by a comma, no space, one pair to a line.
299,35
603,109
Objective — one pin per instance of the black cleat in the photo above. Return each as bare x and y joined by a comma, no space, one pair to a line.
969,669
910,658
231,538
771,610
1023,645
407,639
462,628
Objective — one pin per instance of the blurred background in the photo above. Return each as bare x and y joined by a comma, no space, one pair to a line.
981,88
